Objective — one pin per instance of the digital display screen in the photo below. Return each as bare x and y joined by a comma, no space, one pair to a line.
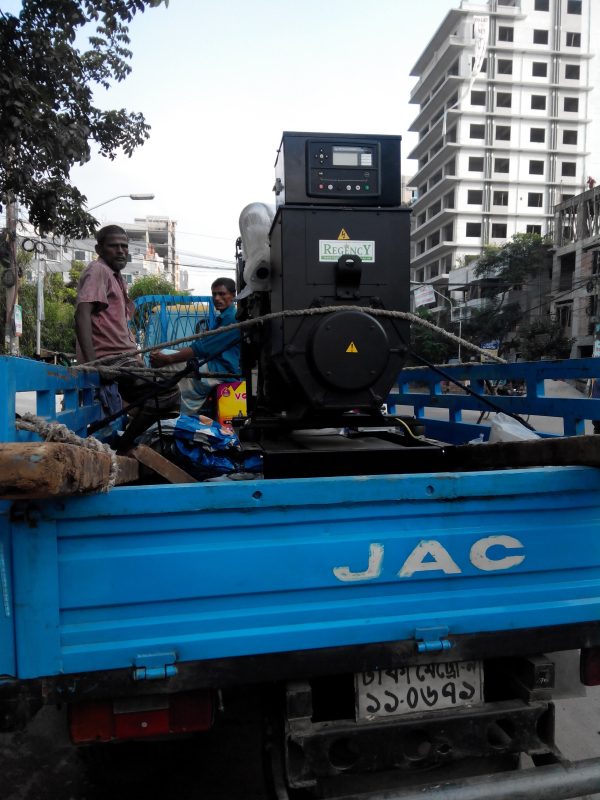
346,156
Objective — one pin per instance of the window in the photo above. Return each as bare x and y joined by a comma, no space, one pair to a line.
421,247
505,66
572,72
569,137
475,197
477,98
498,230
573,6
534,229
421,219
477,131
475,164
501,164
539,69
573,39
566,197
571,104
503,132
536,167
537,134
434,209
503,100
534,199
500,198
505,33
448,232
540,37
483,64
473,229
538,101
542,5
568,169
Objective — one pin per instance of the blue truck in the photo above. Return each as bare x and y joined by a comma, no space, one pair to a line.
392,602
389,623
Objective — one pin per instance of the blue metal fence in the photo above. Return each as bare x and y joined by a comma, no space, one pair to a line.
423,390
163,318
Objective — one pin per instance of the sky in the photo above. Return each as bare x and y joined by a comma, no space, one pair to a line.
220,80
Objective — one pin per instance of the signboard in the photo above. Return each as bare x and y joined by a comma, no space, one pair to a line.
492,347
332,249
18,321
424,295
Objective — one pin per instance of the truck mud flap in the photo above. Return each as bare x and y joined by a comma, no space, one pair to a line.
553,782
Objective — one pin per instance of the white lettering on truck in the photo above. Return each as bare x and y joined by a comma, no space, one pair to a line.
430,555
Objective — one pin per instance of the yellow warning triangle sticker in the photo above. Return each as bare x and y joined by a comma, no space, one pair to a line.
351,348
343,234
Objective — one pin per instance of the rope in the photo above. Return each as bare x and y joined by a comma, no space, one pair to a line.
57,432
305,312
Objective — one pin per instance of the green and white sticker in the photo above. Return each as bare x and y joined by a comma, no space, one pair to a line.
332,249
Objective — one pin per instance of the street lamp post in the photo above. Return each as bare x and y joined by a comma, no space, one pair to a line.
452,307
134,196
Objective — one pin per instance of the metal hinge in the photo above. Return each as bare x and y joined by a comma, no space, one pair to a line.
432,640
154,666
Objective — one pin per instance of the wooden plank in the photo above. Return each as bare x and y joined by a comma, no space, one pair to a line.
159,464
556,452
37,470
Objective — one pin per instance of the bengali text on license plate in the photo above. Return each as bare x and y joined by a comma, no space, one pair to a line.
423,687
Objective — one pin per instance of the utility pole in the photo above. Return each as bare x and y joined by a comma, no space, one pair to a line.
11,278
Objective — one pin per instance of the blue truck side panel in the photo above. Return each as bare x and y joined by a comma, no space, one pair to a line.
217,570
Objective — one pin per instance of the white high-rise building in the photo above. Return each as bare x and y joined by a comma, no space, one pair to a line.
501,146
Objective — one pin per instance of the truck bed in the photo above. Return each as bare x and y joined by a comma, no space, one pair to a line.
173,574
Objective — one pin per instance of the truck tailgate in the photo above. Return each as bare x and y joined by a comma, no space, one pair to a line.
216,570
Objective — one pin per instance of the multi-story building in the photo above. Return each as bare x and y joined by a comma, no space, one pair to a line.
499,149
576,271
158,233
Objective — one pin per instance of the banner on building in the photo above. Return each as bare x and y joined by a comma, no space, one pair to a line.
424,295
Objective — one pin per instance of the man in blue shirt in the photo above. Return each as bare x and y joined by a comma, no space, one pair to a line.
219,353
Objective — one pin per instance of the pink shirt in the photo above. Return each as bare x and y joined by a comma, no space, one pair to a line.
110,333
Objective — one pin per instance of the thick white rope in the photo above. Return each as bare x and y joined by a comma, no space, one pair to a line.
57,432
92,366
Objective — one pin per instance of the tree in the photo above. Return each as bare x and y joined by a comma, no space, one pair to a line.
153,284
430,345
543,338
48,119
493,322
512,264
501,270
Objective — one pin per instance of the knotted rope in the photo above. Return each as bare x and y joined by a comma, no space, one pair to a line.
57,432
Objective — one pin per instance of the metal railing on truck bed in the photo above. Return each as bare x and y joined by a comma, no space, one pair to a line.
421,389
425,391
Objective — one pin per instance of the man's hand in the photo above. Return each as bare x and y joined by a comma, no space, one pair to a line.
158,359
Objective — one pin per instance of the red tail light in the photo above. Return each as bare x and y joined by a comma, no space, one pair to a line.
136,718
589,666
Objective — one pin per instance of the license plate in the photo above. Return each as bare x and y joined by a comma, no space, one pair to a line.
416,688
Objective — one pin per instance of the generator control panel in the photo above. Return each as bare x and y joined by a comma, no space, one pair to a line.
342,170
338,169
